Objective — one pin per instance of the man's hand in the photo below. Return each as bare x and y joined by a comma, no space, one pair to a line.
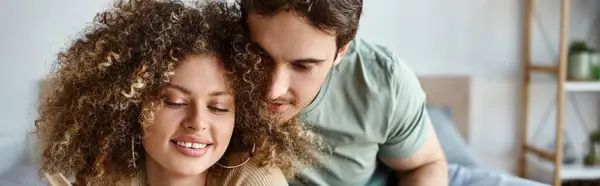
424,168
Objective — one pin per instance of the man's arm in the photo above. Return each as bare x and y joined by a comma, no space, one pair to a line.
412,147
425,167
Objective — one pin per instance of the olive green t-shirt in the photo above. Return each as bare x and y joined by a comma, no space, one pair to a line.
371,106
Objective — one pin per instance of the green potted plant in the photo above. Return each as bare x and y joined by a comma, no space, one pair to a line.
595,137
579,64
595,61
577,47
590,159
593,156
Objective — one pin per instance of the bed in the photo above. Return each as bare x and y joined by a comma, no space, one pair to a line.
448,100
448,107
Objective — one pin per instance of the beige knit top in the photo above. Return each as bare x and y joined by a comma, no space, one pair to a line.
249,174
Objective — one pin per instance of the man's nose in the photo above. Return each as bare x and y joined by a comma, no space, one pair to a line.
280,83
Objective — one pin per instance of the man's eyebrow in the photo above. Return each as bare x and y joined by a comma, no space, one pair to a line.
260,48
300,60
308,60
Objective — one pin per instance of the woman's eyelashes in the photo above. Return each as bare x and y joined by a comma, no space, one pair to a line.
218,110
181,104
175,104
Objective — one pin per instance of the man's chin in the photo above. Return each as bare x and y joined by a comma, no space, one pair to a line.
287,117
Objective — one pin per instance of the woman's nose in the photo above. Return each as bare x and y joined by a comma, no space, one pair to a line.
196,120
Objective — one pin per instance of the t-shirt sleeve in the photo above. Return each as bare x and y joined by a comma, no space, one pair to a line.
408,120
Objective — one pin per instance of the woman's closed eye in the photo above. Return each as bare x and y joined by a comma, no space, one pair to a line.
218,110
175,104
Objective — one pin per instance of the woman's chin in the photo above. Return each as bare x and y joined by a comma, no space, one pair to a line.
179,164
189,169
180,167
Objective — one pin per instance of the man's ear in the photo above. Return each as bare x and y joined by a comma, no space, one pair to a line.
340,54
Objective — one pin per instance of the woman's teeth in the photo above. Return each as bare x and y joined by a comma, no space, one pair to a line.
190,145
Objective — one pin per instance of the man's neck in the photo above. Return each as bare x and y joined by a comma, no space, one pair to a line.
157,175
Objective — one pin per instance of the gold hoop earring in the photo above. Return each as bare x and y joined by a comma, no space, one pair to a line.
239,165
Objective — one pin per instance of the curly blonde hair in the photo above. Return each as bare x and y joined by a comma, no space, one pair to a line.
91,121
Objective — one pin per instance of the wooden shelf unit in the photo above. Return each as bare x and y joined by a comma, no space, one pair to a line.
560,73
552,162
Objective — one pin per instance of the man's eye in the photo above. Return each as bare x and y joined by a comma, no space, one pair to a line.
175,104
303,67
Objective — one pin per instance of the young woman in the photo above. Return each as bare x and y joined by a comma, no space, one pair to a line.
165,93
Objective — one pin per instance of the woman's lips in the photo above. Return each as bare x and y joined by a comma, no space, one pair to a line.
191,146
191,149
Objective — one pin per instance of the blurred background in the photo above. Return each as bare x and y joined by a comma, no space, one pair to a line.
481,40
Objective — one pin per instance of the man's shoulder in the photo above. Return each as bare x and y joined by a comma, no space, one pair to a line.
370,51
372,76
375,60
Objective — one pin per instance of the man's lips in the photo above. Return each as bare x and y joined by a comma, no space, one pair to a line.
277,107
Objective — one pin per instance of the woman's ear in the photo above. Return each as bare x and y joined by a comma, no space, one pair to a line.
340,53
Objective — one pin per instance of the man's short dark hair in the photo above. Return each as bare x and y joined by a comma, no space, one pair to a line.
339,16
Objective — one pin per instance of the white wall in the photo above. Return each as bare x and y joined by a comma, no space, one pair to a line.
32,33
477,38
483,39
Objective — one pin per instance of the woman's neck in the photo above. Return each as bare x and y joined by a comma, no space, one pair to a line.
157,175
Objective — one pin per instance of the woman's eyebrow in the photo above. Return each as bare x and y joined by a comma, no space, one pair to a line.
219,93
180,88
